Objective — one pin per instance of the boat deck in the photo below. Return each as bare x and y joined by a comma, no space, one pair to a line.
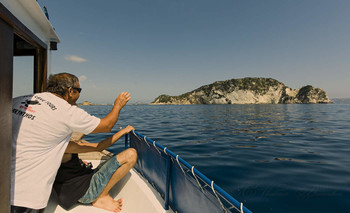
138,194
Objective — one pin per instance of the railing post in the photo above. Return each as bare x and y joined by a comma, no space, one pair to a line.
167,183
127,141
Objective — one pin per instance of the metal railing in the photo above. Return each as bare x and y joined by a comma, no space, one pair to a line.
171,158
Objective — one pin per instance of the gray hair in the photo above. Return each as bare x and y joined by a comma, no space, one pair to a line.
59,83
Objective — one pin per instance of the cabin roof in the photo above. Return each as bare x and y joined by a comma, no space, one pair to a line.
33,17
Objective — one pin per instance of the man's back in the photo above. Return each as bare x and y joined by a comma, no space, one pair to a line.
42,126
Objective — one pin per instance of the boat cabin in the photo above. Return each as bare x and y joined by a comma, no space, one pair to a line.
24,31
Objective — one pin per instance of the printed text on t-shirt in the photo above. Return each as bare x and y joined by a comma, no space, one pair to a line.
51,105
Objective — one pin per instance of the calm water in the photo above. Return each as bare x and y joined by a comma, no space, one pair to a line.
273,158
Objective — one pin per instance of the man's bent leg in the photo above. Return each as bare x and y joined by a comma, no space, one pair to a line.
106,177
127,158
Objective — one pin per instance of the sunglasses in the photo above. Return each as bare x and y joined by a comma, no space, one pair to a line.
77,89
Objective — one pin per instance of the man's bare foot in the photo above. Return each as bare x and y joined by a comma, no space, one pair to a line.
107,203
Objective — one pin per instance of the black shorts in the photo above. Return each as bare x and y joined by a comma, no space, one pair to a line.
19,209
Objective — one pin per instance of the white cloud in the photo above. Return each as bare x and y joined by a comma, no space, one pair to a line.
82,78
75,58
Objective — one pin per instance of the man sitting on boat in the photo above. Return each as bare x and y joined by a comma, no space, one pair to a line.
42,124
76,181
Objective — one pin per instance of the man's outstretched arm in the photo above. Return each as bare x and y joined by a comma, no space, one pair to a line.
107,123
75,147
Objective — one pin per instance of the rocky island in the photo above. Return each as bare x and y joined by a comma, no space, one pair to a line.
248,91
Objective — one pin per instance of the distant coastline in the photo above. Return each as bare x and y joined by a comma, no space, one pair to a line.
341,100
87,103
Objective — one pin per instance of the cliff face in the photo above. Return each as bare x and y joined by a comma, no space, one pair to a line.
247,91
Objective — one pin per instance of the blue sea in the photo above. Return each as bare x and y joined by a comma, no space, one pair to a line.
273,158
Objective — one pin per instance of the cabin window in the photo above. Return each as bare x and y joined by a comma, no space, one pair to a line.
23,75
29,67
23,67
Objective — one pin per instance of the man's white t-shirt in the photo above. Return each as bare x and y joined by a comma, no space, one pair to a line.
42,125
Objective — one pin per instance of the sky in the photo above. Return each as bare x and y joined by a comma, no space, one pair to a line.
154,47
